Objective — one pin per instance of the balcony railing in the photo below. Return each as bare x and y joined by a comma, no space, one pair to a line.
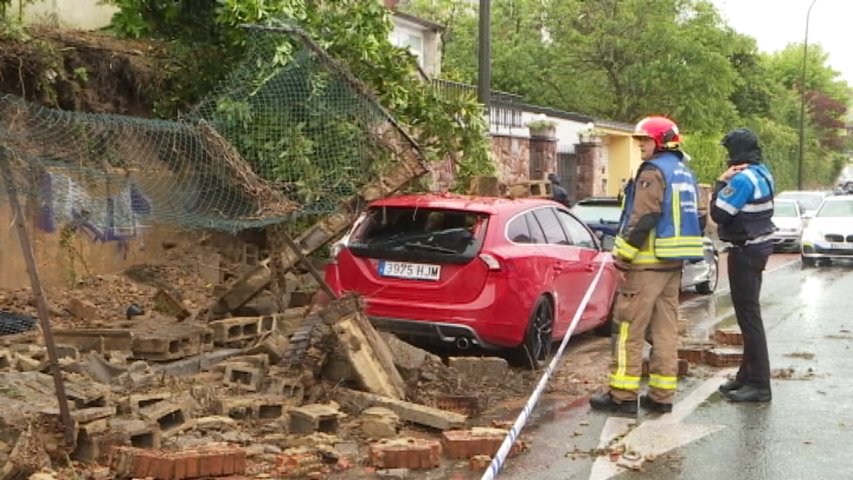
504,111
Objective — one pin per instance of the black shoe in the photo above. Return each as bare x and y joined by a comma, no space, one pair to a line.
730,386
653,405
748,393
604,402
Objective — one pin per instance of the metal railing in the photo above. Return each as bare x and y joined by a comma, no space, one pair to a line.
505,109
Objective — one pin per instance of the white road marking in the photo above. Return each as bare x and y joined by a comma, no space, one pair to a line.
658,436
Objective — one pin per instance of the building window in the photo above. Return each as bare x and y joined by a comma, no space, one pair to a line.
411,40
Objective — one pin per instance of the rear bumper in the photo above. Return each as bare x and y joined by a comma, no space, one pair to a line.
447,333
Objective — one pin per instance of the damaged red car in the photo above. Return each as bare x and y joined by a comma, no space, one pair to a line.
475,271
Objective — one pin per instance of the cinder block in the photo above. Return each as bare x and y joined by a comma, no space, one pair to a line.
139,401
477,367
170,417
314,418
242,377
238,329
290,389
412,453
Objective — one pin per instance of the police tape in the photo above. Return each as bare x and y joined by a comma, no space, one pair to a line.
521,420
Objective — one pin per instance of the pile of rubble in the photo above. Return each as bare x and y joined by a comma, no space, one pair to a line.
284,395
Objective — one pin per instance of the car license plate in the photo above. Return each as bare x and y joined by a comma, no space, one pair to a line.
841,246
413,271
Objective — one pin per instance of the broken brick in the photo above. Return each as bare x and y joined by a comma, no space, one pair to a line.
411,453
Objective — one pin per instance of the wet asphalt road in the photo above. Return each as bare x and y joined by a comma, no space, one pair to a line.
805,433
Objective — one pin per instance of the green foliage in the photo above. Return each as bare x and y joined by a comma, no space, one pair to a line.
207,38
624,59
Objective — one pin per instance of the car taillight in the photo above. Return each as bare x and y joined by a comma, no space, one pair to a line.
491,261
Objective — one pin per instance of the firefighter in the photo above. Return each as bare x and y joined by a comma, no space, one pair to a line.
742,206
659,230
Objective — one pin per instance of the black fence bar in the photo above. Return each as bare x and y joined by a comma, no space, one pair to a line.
504,110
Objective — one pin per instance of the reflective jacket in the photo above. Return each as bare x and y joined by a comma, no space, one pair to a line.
677,234
743,207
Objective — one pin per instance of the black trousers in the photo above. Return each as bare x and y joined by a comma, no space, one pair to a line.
746,267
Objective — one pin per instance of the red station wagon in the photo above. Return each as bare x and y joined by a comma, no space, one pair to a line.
492,272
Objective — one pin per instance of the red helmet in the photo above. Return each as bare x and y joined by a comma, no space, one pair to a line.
663,130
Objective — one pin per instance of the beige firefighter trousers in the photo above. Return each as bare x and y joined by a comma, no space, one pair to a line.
647,300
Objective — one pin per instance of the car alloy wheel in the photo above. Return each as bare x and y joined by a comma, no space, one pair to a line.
538,340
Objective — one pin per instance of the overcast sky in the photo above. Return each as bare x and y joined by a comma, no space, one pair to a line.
776,23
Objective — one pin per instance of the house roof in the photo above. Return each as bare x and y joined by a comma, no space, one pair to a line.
614,125
553,112
420,22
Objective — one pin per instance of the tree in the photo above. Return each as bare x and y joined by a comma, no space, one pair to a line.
208,37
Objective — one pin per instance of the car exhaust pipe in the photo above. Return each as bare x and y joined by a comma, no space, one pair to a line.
462,343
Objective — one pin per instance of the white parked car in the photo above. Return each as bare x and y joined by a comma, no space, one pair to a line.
809,200
829,234
788,219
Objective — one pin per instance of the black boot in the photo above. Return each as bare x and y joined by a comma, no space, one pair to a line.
604,402
653,405
748,393
730,386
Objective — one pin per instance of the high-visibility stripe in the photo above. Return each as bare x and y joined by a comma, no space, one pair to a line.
624,249
618,379
663,382
625,383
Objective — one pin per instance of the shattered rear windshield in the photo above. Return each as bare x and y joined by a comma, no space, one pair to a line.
419,233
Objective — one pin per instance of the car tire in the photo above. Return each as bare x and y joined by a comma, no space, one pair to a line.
538,338
707,287
808,262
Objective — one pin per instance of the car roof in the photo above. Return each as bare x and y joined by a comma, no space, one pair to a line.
600,201
838,198
449,201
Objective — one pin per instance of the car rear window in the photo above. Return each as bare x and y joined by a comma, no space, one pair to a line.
420,234
785,209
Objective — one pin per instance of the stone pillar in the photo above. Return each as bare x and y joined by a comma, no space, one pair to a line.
543,154
592,170
512,157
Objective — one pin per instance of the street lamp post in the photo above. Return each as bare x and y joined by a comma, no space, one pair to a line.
484,75
803,100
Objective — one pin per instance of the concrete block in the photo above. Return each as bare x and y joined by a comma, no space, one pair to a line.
243,377
171,417
288,388
97,339
369,356
411,453
138,401
238,329
379,422
314,418
408,412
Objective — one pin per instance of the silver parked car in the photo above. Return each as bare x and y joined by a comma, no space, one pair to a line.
829,235
601,215
788,218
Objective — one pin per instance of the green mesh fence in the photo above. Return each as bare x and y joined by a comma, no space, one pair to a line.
289,133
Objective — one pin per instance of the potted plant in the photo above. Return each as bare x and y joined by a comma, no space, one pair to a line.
591,135
542,128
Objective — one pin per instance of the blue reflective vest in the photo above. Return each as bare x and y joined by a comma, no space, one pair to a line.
677,235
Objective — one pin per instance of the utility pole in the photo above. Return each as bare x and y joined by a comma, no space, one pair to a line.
803,100
484,76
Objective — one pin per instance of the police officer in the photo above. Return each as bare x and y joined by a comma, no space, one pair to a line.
659,230
742,206
558,193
